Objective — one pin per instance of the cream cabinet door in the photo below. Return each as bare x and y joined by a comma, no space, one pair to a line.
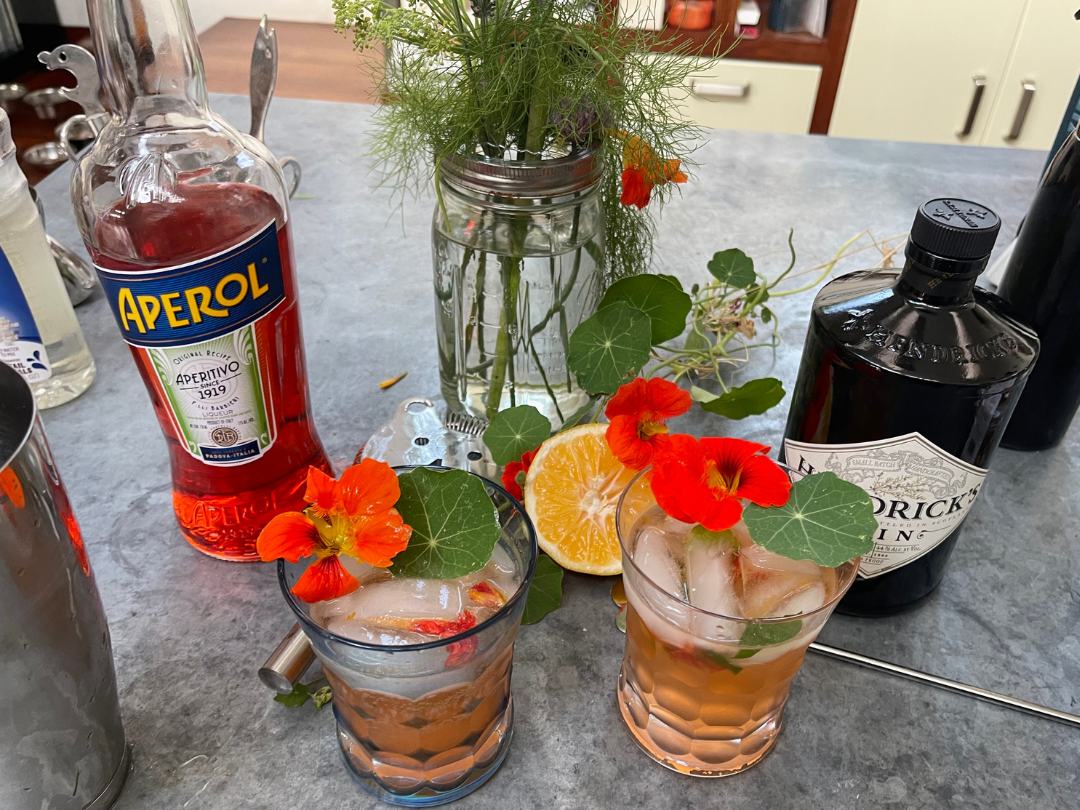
1039,79
761,96
913,68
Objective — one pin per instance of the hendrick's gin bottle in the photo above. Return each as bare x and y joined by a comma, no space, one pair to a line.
907,381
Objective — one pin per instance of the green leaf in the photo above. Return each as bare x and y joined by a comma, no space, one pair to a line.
755,397
696,342
733,267
610,348
826,519
318,691
727,537
454,523
660,297
516,431
668,277
299,695
766,315
545,590
757,636
721,660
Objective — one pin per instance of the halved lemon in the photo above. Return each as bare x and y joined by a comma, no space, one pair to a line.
571,492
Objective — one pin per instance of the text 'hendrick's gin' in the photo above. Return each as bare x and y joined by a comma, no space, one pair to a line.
907,381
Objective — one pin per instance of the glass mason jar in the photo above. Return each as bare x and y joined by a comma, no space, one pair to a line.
422,724
518,249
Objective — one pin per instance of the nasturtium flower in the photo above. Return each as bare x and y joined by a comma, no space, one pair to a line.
644,170
638,414
706,480
513,476
353,515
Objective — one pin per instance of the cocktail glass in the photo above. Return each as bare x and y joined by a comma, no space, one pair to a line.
715,634
423,724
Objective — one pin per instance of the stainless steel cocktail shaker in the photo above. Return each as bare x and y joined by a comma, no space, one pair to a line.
62,743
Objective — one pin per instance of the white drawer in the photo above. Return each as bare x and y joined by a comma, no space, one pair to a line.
761,96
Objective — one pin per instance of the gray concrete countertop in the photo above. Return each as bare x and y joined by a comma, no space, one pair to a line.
189,632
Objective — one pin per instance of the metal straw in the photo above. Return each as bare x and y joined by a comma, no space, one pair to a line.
288,662
949,685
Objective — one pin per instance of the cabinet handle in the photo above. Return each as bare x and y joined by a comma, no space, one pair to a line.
1022,110
973,108
715,90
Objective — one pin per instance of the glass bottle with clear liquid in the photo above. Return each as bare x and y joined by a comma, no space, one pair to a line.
39,333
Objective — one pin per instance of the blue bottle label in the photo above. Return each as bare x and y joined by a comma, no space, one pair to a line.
21,346
196,324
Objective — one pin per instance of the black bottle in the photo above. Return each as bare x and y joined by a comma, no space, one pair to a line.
1042,286
907,381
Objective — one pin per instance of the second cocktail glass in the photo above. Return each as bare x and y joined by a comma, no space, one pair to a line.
715,636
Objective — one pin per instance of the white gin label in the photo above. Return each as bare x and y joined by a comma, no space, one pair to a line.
198,325
920,493
21,346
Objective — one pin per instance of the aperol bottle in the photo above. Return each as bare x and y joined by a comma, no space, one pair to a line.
187,222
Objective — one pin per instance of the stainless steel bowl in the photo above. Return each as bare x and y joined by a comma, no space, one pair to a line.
10,92
45,101
46,154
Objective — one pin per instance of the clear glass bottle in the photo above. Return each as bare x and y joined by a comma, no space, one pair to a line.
517,248
187,221
39,333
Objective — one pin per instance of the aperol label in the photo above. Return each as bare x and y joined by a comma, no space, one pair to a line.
197,325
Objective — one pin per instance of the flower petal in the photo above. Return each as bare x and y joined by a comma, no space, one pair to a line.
377,538
678,475
510,478
717,514
764,482
515,470
629,400
290,536
625,443
325,579
636,189
320,490
665,400
367,488
730,455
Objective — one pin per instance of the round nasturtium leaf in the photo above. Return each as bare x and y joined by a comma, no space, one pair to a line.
826,519
454,524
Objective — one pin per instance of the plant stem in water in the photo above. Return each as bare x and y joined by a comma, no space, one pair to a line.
511,277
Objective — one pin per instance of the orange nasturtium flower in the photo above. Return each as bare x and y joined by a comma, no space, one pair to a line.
638,413
513,476
706,480
643,170
354,515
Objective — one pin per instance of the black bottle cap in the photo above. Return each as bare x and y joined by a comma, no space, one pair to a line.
955,229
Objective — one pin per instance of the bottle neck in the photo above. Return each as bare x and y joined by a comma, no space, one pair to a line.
938,281
148,58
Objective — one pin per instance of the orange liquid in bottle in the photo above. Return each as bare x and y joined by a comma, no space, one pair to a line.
221,507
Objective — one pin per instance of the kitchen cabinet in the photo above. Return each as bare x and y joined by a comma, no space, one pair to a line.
975,72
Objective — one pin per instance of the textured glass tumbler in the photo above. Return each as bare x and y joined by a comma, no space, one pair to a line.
415,729
691,695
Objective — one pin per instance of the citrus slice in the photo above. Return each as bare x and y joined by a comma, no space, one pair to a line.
571,493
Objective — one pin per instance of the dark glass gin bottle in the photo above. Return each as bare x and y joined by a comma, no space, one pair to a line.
1042,286
907,381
